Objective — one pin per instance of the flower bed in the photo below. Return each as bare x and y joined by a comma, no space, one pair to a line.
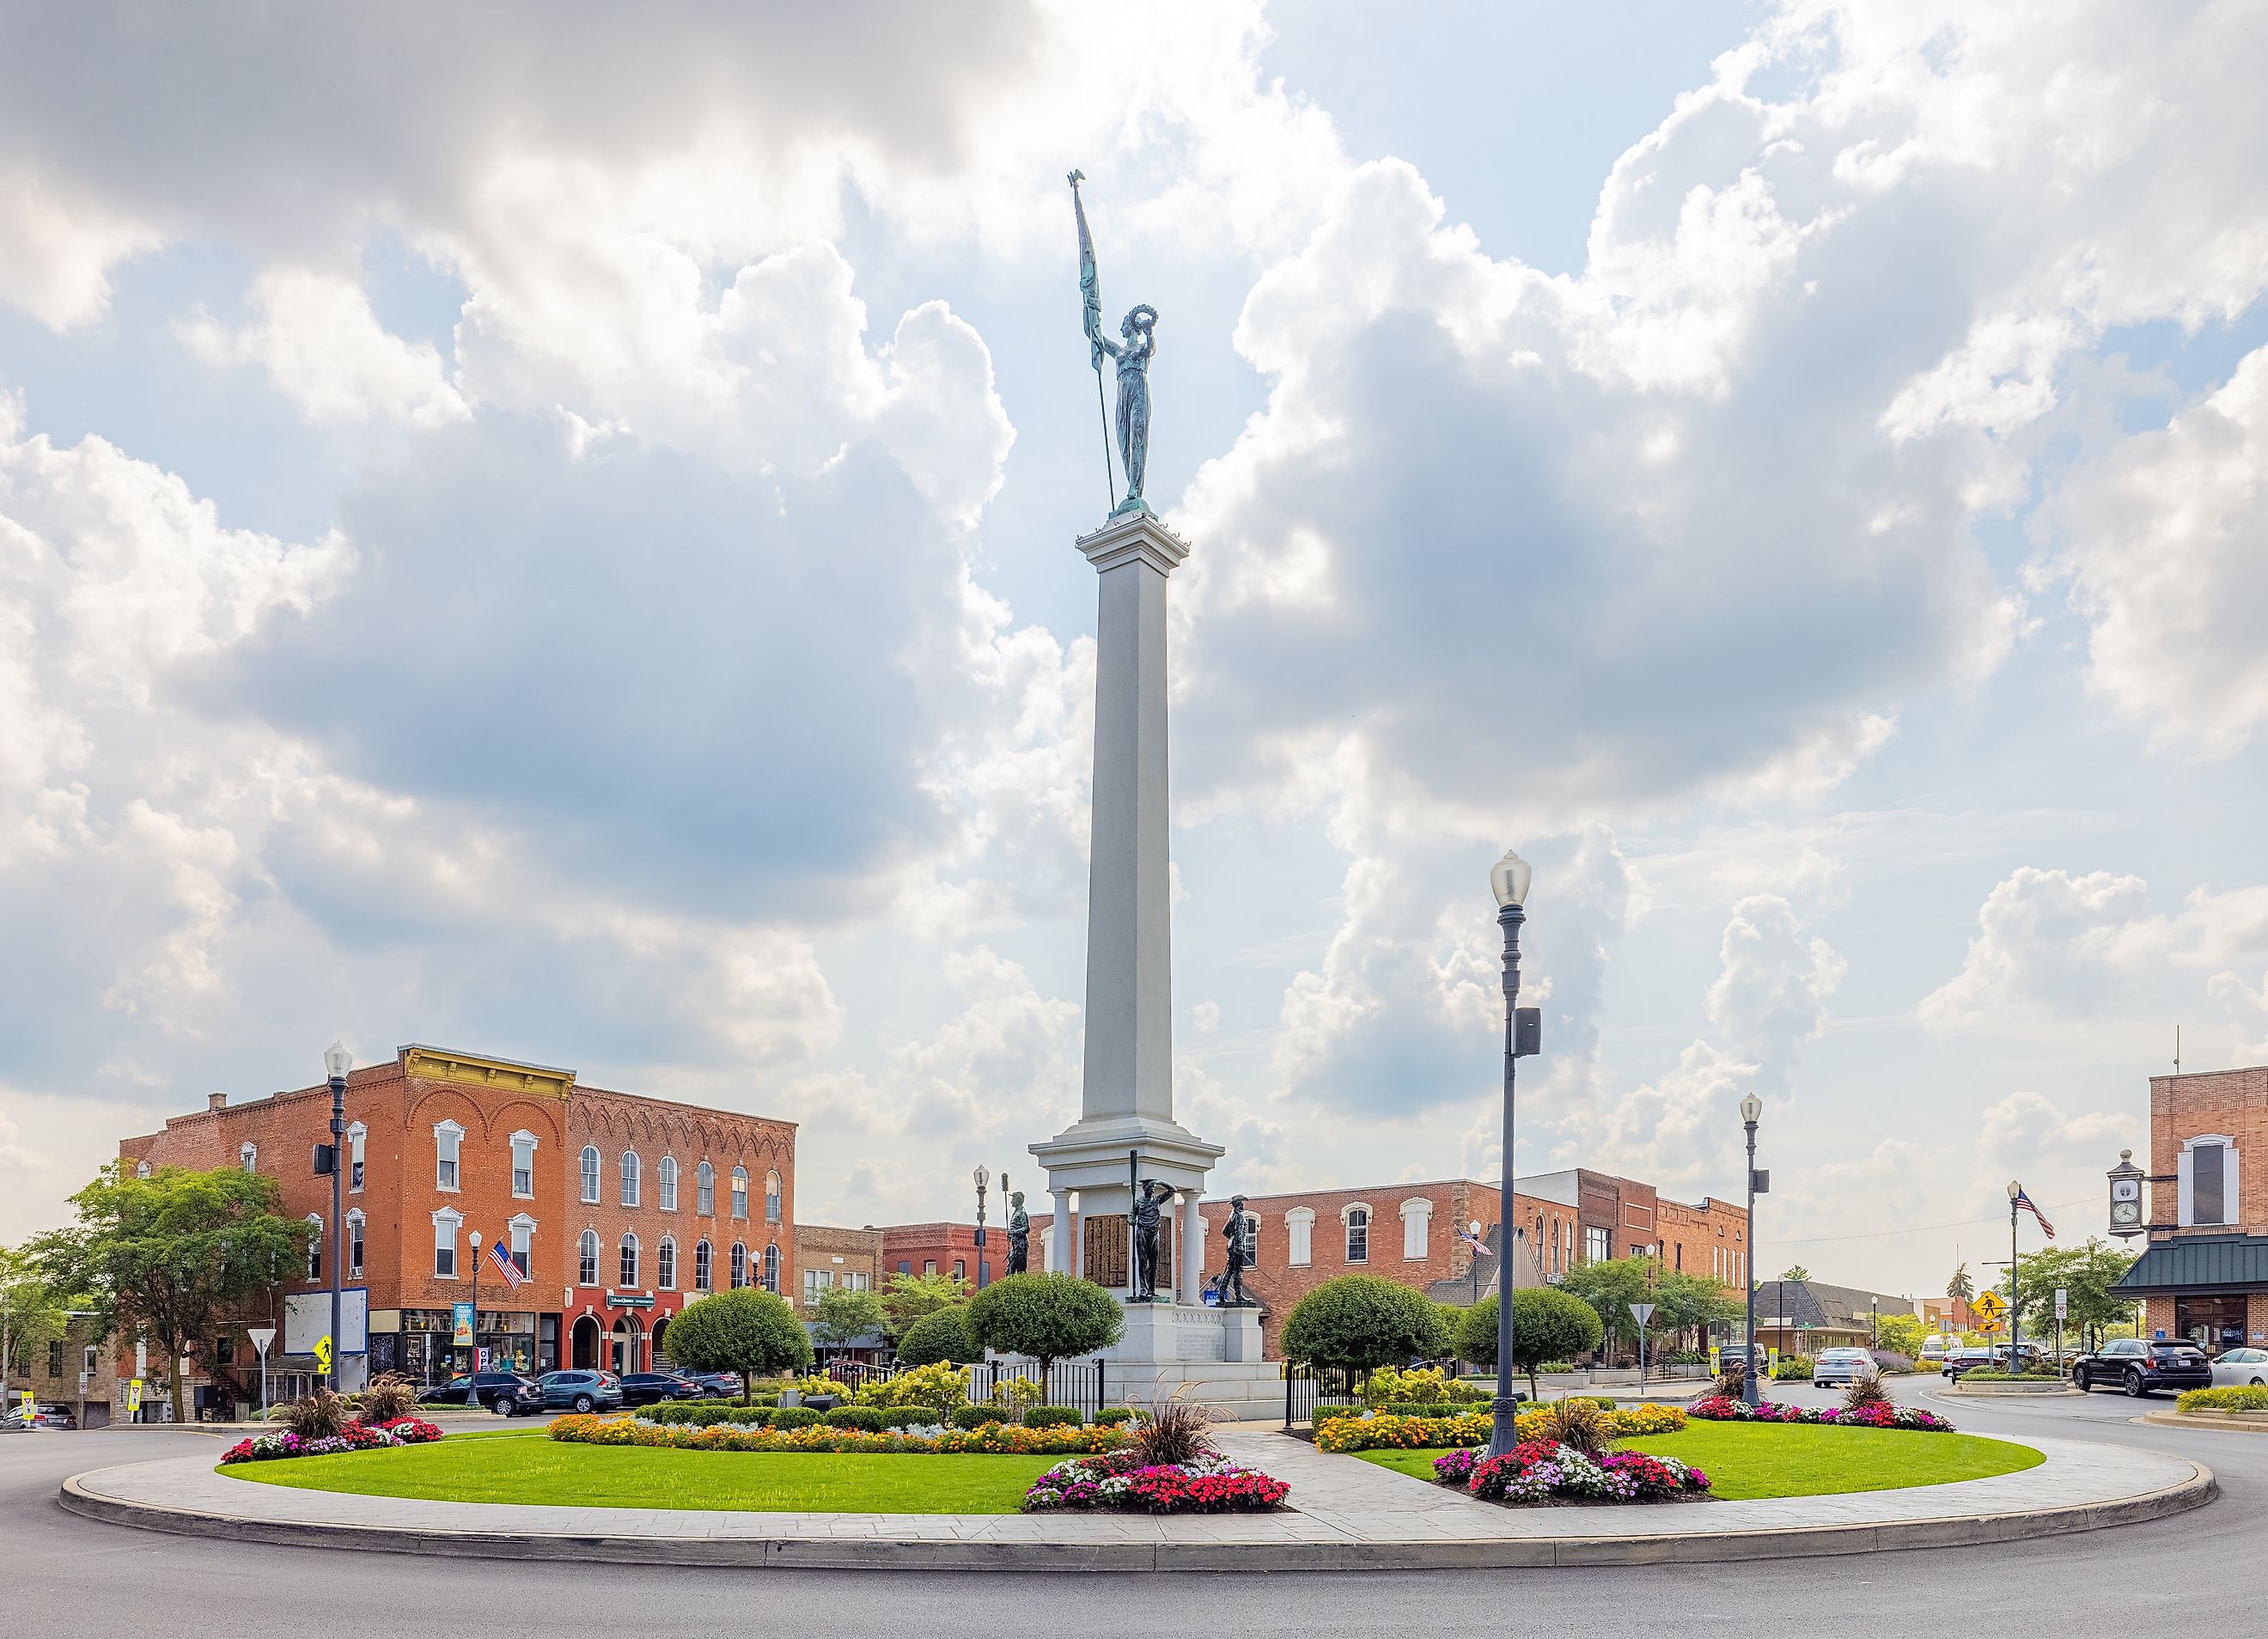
2244,1398
1410,1434
1537,1470
1719,1408
356,1436
1205,1485
585,1429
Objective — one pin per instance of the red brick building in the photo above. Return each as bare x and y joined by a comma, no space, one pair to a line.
2204,1271
851,1259
614,1209
947,1249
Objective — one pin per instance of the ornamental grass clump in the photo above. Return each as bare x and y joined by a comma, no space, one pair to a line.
1175,1434
1865,1393
389,1398
322,1415
1578,1425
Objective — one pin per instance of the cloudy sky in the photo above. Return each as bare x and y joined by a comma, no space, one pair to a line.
548,531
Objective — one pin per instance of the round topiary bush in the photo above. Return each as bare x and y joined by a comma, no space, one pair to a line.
975,1416
940,1336
1111,1416
1046,1316
873,1419
1052,1417
748,1331
793,1417
1548,1326
1360,1322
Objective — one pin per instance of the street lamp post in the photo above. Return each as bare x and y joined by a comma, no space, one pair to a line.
336,1062
472,1396
1752,1108
984,1176
2015,1295
1508,880
1874,1323
1473,1263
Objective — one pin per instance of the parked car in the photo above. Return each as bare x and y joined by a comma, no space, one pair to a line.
1967,1357
43,1417
2141,1368
644,1388
2239,1368
717,1385
506,1393
581,1391
1840,1365
1933,1348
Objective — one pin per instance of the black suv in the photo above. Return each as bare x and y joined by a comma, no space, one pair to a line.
2140,1368
506,1393
644,1388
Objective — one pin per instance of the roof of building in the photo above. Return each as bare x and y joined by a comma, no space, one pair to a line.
1460,1289
1817,1305
2198,1263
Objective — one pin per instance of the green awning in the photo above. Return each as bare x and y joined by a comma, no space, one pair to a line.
2202,1264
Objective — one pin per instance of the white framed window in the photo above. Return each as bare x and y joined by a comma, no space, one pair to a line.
1357,1220
629,1171
522,1242
816,1281
1595,1246
703,1267
315,1248
586,1258
665,1180
354,1245
523,1165
772,1197
141,1169
2205,1180
1416,1214
590,1175
248,1157
772,1267
445,1223
1299,1237
665,1265
448,1145
704,1190
739,1265
740,1192
357,1137
628,1266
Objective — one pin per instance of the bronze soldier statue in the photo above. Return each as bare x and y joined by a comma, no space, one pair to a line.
1147,1220
1019,1234
1237,1233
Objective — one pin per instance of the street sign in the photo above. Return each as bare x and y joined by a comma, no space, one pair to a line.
134,1397
1990,1328
2062,1298
262,1336
323,1354
1989,1304
1644,1312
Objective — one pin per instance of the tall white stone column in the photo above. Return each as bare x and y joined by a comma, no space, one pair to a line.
1190,1265
1059,1231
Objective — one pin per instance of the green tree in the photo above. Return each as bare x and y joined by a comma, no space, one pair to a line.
1047,1316
2087,1273
1901,1335
1795,1272
940,1336
745,1330
1610,1286
843,1316
31,1312
1686,1305
167,1255
1960,1287
909,1298
1360,1322
1547,1324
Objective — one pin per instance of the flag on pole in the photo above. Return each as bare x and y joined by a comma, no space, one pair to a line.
502,1259
2025,1201
1473,1241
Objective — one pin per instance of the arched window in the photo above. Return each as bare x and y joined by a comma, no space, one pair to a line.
248,1156
740,1192
356,1136
702,1275
586,1258
448,1144
665,1177
772,1197
664,1264
354,1245
1358,1234
1299,1237
629,1261
315,1248
771,1268
740,1265
1417,1215
704,1190
590,1175
523,1165
141,1169
630,1178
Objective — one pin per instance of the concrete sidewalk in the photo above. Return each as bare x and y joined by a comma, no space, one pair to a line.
1346,1514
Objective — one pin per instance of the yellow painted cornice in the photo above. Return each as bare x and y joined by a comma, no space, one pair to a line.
471,1069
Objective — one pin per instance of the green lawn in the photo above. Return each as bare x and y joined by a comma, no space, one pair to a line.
1752,1459
499,1469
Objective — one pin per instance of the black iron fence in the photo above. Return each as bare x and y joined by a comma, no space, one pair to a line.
1085,1384
1306,1387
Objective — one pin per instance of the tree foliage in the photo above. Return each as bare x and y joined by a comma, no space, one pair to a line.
940,1336
1795,1272
1901,1335
746,1330
1960,1287
909,1298
166,1256
1610,1286
36,1314
1547,1323
843,1316
1047,1316
1360,1322
2086,1274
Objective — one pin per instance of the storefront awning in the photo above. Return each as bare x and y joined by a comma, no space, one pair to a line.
2202,1264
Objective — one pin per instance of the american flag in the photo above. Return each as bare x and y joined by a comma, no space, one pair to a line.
1473,1241
501,1257
2025,1201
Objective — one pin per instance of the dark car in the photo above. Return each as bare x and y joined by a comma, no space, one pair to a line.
1968,1358
506,1393
581,1390
2141,1368
716,1385
644,1388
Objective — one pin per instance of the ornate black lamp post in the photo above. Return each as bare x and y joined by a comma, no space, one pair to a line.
1751,1108
984,1176
1522,1030
2015,1319
336,1062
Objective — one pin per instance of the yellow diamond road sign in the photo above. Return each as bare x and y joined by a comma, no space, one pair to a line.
1991,1306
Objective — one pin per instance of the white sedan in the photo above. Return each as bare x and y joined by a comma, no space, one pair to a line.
1840,1365
2240,1367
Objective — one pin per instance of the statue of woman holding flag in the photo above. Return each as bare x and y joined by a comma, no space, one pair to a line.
1132,351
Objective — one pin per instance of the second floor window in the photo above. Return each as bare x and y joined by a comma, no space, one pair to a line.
702,1275
740,1265
771,1268
448,1140
248,1156
444,1245
630,1178
629,1261
355,1138
590,1175
354,1245
523,1165
772,1197
665,1265
586,1258
665,1179
523,1233
704,1190
1357,1235
740,1192
1595,1249
315,1249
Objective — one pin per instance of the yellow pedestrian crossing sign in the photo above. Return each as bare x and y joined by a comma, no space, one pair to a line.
1990,1306
323,1355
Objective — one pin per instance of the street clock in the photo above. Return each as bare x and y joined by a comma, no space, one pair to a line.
2126,1196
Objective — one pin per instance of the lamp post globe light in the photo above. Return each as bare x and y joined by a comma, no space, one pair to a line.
336,1062
2015,1321
1752,1109
984,1176
473,1394
1508,880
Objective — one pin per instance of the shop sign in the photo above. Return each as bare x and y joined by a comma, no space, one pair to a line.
630,1300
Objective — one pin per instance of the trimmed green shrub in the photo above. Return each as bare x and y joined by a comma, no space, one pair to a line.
1791,1367
1045,1317
910,1417
1414,1408
940,1336
2245,1398
1360,1322
872,1418
1548,1326
1052,1417
794,1416
703,1413
748,1331
1993,1374
1111,1416
976,1416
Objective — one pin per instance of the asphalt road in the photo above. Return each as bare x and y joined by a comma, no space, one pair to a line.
66,1576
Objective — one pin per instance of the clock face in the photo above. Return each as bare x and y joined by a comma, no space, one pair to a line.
2126,1189
2126,1212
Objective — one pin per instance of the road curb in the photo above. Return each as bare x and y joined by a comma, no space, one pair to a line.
1689,1548
2179,1419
